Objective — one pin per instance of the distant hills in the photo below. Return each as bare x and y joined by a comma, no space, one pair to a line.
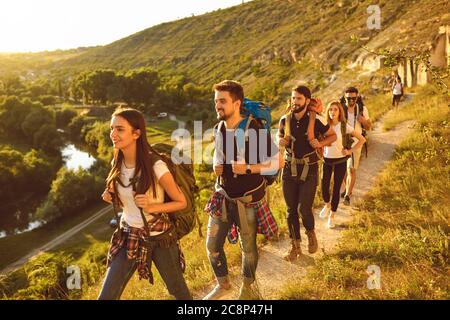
259,41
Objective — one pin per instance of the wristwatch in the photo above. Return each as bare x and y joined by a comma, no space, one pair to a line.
248,170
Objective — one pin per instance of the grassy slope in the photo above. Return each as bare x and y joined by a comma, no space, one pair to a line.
254,42
404,223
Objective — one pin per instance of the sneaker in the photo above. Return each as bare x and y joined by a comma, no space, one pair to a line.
312,241
324,212
218,292
330,223
347,200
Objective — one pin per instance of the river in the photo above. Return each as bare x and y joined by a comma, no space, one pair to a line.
18,218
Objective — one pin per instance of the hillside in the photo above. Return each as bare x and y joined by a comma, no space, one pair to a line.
265,41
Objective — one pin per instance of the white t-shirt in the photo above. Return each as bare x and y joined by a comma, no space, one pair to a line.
356,124
335,150
397,89
131,213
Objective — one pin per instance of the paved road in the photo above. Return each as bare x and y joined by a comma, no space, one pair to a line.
55,242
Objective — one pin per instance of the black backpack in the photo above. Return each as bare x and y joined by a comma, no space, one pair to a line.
358,110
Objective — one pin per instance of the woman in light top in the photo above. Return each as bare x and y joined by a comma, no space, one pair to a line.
397,91
335,158
138,181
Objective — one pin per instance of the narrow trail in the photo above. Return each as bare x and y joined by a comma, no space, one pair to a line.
54,243
273,272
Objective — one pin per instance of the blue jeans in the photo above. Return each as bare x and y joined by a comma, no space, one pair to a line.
217,233
166,261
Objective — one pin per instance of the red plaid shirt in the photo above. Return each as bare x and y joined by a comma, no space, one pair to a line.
132,239
266,222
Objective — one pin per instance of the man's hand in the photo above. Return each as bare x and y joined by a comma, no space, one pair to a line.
361,119
218,169
283,142
315,143
238,167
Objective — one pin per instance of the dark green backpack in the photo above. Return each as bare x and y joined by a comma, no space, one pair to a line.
186,219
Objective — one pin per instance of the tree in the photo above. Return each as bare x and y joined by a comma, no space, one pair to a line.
98,83
47,138
12,113
34,121
141,86
72,191
64,116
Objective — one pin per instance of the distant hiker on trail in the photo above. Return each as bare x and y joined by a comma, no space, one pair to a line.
335,158
357,116
299,178
397,91
137,182
241,167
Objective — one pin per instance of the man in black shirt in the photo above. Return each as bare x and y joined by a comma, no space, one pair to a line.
299,179
240,189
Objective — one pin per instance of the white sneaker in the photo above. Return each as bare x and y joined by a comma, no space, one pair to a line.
330,223
217,293
324,212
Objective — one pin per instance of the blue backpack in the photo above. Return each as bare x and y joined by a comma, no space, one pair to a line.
259,111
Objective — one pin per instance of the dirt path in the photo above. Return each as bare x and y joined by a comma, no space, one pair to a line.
273,272
55,242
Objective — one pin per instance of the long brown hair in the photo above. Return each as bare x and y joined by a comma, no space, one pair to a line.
144,176
341,112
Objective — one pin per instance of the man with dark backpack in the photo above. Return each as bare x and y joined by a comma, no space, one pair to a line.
357,116
298,132
242,159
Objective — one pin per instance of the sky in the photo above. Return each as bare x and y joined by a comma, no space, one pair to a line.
38,25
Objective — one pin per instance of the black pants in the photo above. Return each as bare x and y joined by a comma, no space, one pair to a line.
299,197
339,173
396,98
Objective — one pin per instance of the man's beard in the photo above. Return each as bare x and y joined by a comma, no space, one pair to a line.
297,108
222,116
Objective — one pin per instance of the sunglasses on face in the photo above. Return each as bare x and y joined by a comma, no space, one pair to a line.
351,98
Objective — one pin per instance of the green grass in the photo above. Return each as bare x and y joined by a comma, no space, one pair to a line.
160,131
418,108
403,225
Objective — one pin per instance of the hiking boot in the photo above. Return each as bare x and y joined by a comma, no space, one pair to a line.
312,241
330,223
324,212
249,290
222,288
346,200
294,252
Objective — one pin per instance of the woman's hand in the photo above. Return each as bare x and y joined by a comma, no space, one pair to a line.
347,152
143,201
106,196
